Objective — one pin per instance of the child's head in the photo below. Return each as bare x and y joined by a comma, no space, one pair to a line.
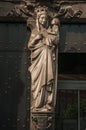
55,21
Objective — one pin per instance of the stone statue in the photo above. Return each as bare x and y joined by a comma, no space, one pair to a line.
44,55
43,42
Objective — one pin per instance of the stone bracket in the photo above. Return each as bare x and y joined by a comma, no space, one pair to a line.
42,121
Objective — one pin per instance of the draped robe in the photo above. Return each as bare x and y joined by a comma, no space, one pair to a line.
41,70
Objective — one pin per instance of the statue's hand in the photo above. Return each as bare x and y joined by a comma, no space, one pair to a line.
39,37
34,40
48,41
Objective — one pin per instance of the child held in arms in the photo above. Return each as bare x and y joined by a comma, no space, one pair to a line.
53,35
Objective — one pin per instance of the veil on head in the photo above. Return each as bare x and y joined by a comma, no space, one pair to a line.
41,11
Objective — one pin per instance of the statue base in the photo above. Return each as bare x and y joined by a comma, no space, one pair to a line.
42,121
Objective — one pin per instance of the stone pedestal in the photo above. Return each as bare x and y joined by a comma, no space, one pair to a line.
42,121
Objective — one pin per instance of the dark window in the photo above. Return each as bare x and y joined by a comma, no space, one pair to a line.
71,105
71,93
72,63
67,115
72,51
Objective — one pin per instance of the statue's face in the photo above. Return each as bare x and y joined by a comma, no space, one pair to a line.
43,19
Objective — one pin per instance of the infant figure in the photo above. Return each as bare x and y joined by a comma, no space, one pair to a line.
53,35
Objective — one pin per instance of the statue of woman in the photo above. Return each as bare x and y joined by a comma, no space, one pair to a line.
42,64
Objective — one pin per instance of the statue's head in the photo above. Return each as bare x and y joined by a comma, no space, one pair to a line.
43,19
55,21
42,16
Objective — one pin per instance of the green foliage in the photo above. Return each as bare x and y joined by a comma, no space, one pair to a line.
83,108
70,111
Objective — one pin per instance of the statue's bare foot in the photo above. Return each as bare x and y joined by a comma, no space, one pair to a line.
48,107
44,109
32,108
